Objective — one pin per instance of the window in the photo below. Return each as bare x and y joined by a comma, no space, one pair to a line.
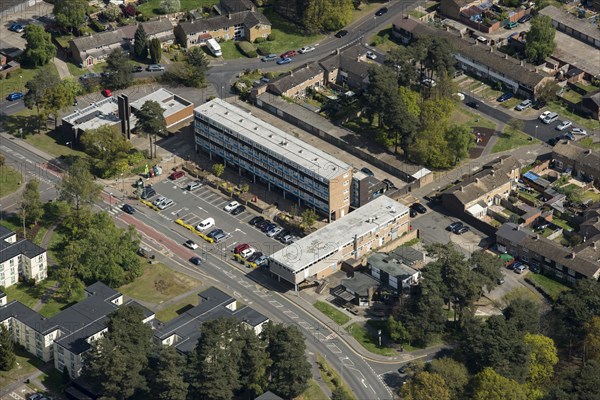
345,183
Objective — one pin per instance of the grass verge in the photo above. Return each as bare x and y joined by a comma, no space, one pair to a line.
30,295
338,316
331,378
53,143
588,143
26,365
512,141
175,309
547,285
151,8
313,392
361,334
231,51
158,283
10,180
17,79
288,36
462,116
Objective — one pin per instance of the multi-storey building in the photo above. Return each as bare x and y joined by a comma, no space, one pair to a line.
320,254
269,155
20,257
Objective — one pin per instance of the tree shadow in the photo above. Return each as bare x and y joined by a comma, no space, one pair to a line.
13,123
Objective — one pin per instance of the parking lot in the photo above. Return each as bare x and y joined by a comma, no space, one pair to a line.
194,207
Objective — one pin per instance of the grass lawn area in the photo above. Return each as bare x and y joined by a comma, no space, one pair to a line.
361,334
508,142
11,223
63,40
572,96
563,224
550,286
151,7
17,80
416,14
10,180
75,70
313,392
332,312
53,143
29,295
53,380
230,51
588,143
40,235
566,114
287,35
462,116
521,293
158,283
590,194
365,9
382,39
26,365
331,378
510,103
170,312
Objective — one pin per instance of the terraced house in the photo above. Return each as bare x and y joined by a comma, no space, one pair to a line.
20,258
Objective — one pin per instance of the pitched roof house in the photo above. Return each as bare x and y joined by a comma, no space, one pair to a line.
161,29
580,161
90,50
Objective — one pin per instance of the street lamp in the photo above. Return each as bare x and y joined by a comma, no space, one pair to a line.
122,183
536,131
21,82
110,200
379,336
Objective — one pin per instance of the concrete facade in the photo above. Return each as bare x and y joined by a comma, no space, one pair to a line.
20,258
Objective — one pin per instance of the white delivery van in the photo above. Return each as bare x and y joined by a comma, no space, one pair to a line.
204,225
214,47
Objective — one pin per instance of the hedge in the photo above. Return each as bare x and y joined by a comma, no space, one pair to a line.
149,204
247,49
265,48
191,228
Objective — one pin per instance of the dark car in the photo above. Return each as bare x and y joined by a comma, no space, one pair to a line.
552,141
367,171
282,234
215,232
524,18
256,220
412,213
381,11
263,224
148,192
461,230
504,97
255,256
128,209
341,33
389,184
538,105
196,260
418,207
15,96
268,227
454,225
473,104
238,210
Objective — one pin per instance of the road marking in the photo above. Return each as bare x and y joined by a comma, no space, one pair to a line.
276,303
334,349
261,294
244,283
232,244
239,230
305,325
290,314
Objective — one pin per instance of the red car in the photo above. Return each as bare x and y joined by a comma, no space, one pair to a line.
107,93
176,175
240,247
288,54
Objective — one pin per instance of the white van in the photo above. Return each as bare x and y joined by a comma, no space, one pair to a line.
204,225
214,47
550,118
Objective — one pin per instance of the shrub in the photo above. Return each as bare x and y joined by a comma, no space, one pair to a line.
271,37
265,48
259,40
247,49
135,158
97,26
129,10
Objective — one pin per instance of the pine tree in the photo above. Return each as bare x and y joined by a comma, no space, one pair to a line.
166,381
155,51
31,209
7,352
254,364
140,43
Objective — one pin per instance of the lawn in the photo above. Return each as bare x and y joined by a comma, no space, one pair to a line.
75,70
462,116
590,194
382,39
361,334
338,316
158,283
29,295
521,293
566,114
510,103
287,35
150,8
331,378
313,392
548,285
508,142
588,143
53,143
17,80
10,180
230,51
173,310
572,96
26,365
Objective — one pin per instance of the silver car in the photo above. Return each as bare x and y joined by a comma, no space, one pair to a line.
155,67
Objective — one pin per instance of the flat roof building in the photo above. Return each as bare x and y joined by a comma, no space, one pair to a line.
302,172
321,253
579,28
176,108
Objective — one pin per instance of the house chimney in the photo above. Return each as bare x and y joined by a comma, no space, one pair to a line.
572,254
229,16
595,246
476,180
506,56
588,151
537,236
522,63
491,49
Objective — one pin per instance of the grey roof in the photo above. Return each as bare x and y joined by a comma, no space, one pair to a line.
248,18
90,43
500,62
268,396
348,60
23,246
298,76
491,176
512,233
5,233
593,97
408,255
360,283
391,264
235,6
573,151
566,19
157,26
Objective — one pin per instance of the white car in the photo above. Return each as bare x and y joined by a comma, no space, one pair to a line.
564,125
229,207
306,49
578,131
371,55
544,115
191,245
429,82
523,105
193,186
166,204
248,252
158,201
274,231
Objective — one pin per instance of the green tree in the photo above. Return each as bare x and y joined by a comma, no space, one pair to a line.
31,209
309,217
192,72
7,352
77,187
592,339
543,357
39,49
430,147
455,375
489,385
151,121
166,375
381,94
70,14
326,15
339,394
44,80
116,363
60,98
218,170
106,146
436,56
575,308
524,315
548,91
140,43
111,13
169,6
254,364
396,331
425,386
290,371
400,60
588,381
487,267
460,139
402,123
118,73
155,50
540,39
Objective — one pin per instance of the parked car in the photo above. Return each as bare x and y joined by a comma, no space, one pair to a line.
260,225
564,125
504,97
579,131
341,33
514,265
166,204
461,230
240,247
282,234
205,224
538,105
128,209
193,186
214,232
256,220
429,82
15,96
418,207
247,252
17,28
267,228
274,231
524,18
230,206
306,49
371,55
159,200
238,210
219,236
525,104
473,104
107,93
137,68
262,261
196,260
550,118
176,175
390,184
155,68
282,61
191,244
454,225
289,54
568,136
520,269
381,11
287,239
255,256
511,25
367,171
270,57
148,192
544,115
413,213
